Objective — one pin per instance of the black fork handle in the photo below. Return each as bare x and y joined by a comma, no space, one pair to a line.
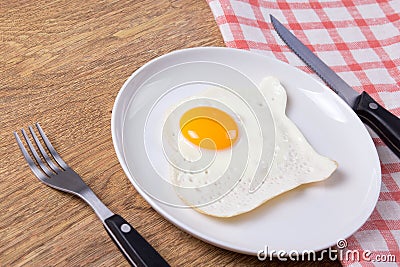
134,247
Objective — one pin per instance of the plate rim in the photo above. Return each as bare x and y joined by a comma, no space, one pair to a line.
173,219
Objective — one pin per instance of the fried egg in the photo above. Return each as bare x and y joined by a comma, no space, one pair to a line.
225,162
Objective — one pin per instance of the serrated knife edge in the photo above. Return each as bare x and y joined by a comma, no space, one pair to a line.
382,121
333,80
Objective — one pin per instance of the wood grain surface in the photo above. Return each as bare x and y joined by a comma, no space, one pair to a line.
62,64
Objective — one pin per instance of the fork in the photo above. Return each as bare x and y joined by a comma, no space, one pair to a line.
54,172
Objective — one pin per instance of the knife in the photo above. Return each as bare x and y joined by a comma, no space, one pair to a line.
385,124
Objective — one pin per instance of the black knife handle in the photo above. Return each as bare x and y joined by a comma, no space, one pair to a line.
135,248
385,124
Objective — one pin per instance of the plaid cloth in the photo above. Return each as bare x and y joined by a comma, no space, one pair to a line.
360,40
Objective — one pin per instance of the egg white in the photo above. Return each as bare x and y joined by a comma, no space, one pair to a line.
225,188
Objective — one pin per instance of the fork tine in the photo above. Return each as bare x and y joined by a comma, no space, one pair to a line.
39,174
35,154
49,161
50,147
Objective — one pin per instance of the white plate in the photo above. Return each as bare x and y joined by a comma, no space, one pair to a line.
307,218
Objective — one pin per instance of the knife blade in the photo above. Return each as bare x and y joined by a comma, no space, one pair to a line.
385,124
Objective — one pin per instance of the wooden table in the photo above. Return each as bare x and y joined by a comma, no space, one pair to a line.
62,64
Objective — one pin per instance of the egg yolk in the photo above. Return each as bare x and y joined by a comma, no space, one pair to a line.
209,128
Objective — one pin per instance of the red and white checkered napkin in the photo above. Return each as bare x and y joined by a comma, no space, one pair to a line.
360,40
